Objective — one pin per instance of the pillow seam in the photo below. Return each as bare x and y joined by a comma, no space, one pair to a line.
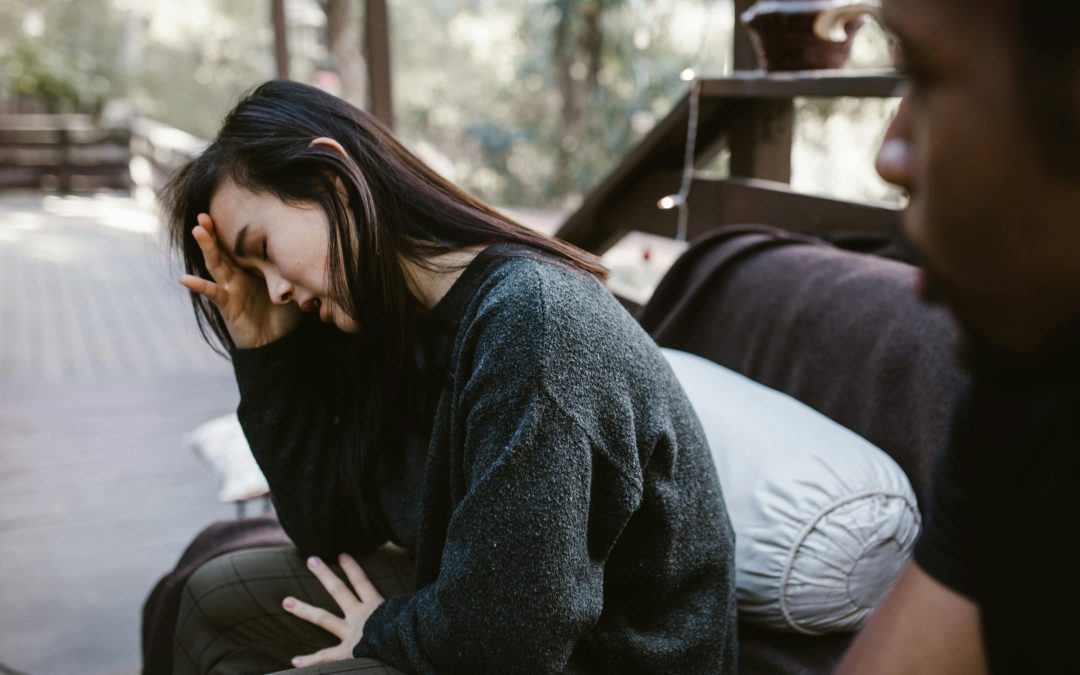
789,564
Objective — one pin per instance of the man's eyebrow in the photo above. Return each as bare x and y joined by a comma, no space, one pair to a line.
238,249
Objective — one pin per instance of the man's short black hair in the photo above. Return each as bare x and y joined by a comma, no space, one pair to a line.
1047,35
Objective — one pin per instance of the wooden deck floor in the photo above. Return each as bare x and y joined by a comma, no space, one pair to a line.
101,374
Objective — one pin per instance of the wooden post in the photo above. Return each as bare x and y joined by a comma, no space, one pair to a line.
744,56
761,130
65,172
377,56
281,43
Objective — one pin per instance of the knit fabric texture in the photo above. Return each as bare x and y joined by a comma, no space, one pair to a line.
561,503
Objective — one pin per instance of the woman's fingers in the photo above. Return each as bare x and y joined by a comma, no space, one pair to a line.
337,589
220,266
332,624
218,295
359,579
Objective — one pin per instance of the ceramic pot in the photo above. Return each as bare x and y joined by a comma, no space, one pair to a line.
804,34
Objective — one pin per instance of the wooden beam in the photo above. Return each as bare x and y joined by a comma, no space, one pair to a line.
377,56
747,200
760,139
281,42
744,57
789,85
715,203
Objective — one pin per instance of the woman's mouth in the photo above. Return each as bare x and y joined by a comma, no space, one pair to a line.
311,305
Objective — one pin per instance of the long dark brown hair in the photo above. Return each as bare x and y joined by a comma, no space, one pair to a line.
396,207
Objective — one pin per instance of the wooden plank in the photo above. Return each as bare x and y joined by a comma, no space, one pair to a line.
141,287
715,203
773,203
105,355
8,316
811,83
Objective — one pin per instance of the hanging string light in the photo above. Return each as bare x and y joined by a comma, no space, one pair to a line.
680,200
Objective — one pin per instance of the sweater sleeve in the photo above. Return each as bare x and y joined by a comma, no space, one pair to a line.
296,435
522,572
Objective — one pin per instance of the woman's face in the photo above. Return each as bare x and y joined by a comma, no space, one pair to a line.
285,245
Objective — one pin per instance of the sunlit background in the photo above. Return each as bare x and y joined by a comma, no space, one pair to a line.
523,103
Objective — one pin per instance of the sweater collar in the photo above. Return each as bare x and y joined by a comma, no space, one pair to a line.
453,304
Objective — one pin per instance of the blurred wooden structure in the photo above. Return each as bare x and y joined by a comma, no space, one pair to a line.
376,54
65,152
751,113
377,57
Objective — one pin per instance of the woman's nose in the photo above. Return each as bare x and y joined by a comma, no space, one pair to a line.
893,161
281,291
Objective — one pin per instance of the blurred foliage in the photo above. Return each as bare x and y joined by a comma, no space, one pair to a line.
526,103
35,70
75,74
495,111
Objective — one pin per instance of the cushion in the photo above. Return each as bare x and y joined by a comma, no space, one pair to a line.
823,519
222,445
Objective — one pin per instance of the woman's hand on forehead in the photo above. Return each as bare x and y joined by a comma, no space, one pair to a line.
242,299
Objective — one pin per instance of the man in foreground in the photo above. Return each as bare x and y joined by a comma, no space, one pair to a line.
987,142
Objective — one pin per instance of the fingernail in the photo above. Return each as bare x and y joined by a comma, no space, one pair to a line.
297,662
289,603
313,562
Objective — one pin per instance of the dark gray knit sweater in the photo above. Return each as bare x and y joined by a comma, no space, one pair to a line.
564,512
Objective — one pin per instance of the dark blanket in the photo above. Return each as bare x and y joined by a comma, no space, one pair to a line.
841,332
163,605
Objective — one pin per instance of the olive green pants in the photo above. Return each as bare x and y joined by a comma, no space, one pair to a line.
231,621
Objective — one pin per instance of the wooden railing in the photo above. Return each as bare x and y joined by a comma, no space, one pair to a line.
71,153
157,150
750,113
63,152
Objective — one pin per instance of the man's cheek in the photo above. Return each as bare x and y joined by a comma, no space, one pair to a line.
913,223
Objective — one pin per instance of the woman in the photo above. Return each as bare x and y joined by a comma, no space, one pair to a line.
416,368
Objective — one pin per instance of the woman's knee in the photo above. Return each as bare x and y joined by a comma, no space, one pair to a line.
231,607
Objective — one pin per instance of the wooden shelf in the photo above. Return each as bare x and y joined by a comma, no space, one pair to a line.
759,84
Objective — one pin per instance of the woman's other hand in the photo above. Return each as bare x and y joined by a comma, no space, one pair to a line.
357,603
251,316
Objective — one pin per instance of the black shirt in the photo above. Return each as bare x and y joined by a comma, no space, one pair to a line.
1004,517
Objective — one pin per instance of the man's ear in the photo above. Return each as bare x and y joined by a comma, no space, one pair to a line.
329,143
